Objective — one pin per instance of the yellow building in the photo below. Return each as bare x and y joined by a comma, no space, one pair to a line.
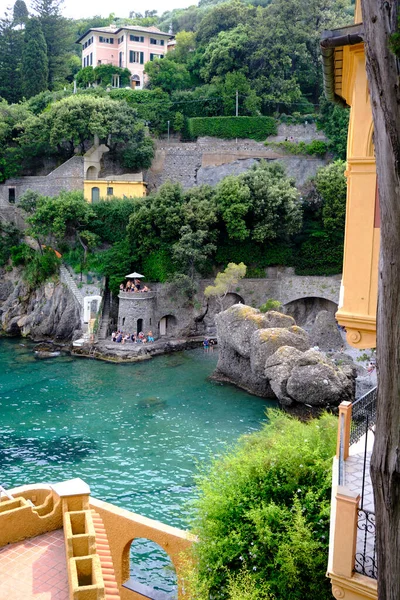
101,189
129,185
345,82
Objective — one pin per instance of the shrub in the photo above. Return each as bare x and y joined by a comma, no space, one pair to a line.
41,267
314,148
257,128
263,509
270,304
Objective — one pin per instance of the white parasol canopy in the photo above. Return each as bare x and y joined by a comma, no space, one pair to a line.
134,275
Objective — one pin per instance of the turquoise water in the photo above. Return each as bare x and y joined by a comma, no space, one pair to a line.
135,433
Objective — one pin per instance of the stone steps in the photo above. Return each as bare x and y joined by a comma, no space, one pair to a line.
103,331
67,278
103,550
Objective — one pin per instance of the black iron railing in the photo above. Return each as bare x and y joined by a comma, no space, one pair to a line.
365,562
363,415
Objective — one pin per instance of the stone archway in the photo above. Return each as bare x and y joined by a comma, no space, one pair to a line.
304,310
167,325
232,298
91,173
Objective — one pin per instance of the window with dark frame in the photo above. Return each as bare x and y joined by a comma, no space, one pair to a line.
110,191
11,195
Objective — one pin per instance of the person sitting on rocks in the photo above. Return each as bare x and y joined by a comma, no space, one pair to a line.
140,338
128,286
145,289
133,337
138,284
150,337
125,337
113,336
118,339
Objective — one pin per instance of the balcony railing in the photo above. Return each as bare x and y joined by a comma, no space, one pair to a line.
365,559
356,426
363,415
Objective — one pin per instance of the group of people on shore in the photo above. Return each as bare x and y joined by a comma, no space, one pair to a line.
134,286
208,344
121,337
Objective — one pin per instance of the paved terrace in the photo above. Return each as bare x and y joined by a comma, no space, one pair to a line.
353,480
34,569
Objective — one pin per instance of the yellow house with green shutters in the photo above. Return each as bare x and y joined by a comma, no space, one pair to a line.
345,82
102,189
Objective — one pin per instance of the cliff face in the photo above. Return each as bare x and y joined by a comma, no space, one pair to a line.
49,312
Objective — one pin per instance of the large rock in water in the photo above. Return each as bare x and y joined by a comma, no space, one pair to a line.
265,342
239,322
268,355
308,378
324,332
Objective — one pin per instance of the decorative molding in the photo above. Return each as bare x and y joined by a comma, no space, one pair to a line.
338,592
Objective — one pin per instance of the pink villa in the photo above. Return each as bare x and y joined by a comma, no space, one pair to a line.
128,46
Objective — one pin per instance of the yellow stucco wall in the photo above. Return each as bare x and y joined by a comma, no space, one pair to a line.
357,306
129,189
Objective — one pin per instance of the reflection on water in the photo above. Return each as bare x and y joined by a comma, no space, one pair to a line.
133,432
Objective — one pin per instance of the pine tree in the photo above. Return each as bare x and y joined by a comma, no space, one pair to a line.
20,13
57,33
10,59
34,60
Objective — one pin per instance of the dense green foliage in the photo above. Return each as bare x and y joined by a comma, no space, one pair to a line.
314,148
34,60
175,234
255,47
263,513
9,237
53,126
257,128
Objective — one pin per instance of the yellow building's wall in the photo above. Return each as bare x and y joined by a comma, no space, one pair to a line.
357,307
129,189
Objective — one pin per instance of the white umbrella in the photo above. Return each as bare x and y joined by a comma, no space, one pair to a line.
134,276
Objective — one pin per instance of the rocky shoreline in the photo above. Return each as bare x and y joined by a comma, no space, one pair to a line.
131,353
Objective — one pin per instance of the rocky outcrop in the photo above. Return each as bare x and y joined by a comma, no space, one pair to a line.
308,378
48,312
269,356
324,332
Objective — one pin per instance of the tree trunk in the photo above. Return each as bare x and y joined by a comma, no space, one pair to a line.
380,22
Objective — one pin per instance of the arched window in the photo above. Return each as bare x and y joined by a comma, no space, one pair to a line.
95,194
135,81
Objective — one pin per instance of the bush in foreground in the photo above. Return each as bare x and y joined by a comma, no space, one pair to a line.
263,514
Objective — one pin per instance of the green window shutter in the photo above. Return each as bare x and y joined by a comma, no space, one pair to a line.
130,55
141,58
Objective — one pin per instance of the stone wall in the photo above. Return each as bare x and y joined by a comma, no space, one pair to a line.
208,160
184,319
68,176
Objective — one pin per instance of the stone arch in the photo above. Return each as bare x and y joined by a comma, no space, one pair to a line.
304,310
138,554
92,173
167,325
233,298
